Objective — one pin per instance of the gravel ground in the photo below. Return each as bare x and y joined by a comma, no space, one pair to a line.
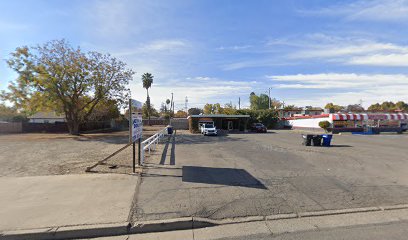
54,154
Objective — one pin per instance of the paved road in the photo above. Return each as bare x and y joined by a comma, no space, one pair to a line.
390,224
241,175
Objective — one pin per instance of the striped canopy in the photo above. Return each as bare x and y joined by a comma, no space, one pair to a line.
364,116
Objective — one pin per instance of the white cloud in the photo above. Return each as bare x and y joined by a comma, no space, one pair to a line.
376,10
162,46
235,47
349,51
199,90
397,60
340,80
369,87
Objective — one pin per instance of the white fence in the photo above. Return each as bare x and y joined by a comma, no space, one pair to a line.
151,143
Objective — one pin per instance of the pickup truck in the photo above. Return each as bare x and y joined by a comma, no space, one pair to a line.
208,129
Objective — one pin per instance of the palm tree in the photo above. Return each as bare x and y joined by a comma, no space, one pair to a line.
147,80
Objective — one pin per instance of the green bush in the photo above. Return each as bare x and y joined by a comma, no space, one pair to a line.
325,125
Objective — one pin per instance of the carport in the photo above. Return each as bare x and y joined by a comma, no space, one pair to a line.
221,121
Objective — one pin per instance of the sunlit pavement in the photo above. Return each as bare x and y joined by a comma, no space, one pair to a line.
241,175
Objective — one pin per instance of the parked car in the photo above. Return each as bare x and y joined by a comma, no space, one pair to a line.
258,127
208,129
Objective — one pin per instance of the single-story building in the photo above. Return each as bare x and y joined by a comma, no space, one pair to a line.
286,113
220,121
312,111
350,122
46,117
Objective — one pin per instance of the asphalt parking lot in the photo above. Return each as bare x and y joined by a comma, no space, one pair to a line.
240,175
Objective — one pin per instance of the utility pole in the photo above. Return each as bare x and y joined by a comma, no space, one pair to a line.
172,104
185,103
269,98
239,103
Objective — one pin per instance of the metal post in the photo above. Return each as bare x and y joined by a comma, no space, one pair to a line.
134,156
139,152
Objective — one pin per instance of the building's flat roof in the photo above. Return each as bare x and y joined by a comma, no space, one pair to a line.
219,116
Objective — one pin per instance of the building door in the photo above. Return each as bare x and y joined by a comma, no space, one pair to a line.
230,125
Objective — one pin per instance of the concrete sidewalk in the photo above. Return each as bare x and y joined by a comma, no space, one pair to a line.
51,202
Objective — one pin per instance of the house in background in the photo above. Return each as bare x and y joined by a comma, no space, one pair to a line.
46,117
312,111
286,113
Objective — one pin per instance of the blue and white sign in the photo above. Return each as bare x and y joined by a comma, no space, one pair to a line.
135,119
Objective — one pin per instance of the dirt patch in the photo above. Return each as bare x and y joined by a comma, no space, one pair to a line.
54,154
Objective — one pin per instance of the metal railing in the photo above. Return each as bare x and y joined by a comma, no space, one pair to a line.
151,143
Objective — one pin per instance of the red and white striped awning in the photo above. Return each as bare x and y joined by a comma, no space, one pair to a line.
364,116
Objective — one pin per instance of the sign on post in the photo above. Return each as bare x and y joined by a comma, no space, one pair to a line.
135,128
135,119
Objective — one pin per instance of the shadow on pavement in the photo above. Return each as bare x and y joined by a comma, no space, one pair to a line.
200,139
341,146
221,176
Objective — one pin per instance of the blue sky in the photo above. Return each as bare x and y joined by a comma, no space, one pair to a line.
310,52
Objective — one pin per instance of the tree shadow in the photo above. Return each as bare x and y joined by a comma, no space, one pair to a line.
220,176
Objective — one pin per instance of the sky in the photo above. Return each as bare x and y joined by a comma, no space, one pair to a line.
308,52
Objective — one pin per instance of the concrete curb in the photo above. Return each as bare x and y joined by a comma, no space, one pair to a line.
68,232
184,223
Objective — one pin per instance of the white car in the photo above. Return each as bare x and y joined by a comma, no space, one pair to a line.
208,129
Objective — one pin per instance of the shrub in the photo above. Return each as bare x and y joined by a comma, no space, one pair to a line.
325,125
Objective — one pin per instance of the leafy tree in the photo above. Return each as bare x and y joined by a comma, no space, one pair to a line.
400,105
163,108
146,112
290,107
209,109
333,108
195,111
147,79
180,114
57,76
106,110
253,101
374,107
213,108
10,114
167,103
388,106
229,109
354,108
262,102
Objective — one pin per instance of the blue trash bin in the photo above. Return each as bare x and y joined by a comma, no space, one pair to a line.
169,130
326,139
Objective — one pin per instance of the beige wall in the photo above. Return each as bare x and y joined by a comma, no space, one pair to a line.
16,127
